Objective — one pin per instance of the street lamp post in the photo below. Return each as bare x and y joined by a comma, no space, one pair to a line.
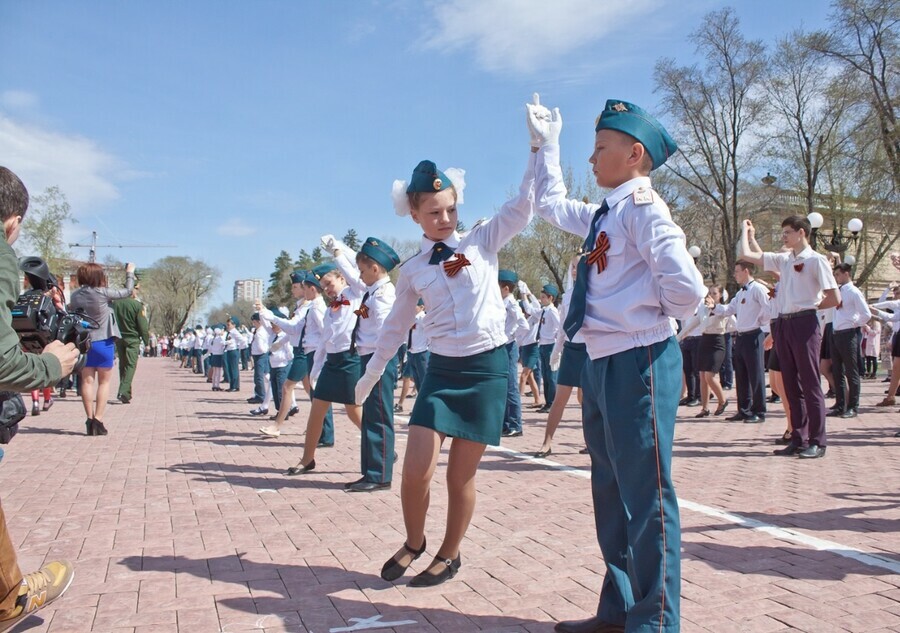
836,241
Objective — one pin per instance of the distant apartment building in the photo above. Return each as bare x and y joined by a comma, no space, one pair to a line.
248,289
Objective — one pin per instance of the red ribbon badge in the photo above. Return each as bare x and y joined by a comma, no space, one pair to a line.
363,311
743,301
798,267
772,292
453,266
598,255
340,301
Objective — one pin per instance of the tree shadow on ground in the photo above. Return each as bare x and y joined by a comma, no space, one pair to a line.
321,598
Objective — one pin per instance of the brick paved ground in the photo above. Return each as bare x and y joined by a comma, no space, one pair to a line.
180,520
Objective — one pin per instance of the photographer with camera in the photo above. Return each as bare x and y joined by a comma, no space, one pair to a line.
19,371
94,301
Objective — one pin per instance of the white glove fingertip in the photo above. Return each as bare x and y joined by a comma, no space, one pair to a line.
536,99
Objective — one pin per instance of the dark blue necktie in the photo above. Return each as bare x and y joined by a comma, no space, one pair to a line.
441,252
578,304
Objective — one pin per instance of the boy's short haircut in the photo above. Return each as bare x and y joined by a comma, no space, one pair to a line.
362,258
844,268
13,195
798,222
508,285
745,265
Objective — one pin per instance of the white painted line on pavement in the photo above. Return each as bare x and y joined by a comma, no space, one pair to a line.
786,534
361,624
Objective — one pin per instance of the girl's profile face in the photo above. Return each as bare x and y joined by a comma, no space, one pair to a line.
332,284
437,215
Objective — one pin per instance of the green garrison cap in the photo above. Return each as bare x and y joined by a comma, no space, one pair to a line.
550,290
630,119
427,178
299,276
316,274
382,253
507,276
278,313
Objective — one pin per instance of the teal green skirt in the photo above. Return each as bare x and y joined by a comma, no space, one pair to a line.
337,381
464,397
529,356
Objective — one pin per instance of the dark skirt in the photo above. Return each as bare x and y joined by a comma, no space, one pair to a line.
825,350
298,369
529,356
574,357
216,360
773,365
337,382
102,354
895,346
464,397
712,352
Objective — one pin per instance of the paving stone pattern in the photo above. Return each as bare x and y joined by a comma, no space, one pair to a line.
180,520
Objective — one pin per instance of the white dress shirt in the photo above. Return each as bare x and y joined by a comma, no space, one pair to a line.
804,279
549,325
750,307
418,339
852,312
465,313
261,338
293,326
217,345
281,353
516,323
382,295
650,277
338,328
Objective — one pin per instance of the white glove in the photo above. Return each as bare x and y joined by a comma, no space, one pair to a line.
329,243
545,129
364,387
555,357
523,288
539,112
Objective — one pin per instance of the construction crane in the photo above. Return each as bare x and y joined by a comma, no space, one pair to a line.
93,246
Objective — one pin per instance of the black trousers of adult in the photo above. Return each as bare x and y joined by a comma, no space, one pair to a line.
690,353
845,367
749,373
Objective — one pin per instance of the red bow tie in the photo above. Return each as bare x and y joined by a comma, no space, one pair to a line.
340,301
598,255
363,311
453,266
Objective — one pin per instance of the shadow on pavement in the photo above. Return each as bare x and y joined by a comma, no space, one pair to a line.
237,475
320,598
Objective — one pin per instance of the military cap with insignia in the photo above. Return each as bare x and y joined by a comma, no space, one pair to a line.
550,290
278,313
628,118
236,322
381,252
299,276
507,276
427,178
316,274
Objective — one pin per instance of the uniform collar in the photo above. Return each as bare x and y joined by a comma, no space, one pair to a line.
625,189
378,284
452,242
806,253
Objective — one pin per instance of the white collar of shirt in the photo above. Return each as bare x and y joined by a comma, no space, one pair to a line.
806,253
428,244
378,284
622,191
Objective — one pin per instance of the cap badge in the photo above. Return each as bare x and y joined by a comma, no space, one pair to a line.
620,107
437,184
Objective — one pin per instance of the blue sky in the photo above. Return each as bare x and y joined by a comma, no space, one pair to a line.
234,130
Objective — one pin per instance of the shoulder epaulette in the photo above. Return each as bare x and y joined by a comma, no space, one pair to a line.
642,196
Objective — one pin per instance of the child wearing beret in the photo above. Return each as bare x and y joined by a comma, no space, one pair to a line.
335,370
463,395
366,272
634,278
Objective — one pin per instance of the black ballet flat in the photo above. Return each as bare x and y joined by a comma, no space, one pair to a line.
301,469
392,569
543,454
88,427
427,579
704,413
98,427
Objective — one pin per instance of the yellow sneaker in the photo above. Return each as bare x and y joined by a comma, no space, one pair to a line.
39,589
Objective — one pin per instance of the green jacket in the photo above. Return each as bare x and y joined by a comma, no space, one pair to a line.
131,319
19,371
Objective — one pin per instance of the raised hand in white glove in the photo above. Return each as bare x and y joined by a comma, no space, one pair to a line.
364,387
545,129
329,243
538,112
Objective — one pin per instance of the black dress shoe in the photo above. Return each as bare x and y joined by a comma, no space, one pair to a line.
790,449
294,411
591,625
543,409
835,413
775,399
232,390
849,413
124,399
683,402
367,486
785,439
350,483
324,444
254,400
692,403
585,451
511,433
448,571
98,427
393,569
754,419
704,413
301,469
543,454
737,417
721,408
813,451
88,427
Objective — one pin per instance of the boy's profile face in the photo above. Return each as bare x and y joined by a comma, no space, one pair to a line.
369,272
297,291
791,238
616,158
545,299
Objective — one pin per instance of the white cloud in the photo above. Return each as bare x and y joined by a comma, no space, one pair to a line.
18,99
527,35
235,227
42,158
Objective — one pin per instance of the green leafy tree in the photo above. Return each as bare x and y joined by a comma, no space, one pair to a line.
351,239
42,229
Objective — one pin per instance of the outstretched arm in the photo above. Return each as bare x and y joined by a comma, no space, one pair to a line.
750,250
